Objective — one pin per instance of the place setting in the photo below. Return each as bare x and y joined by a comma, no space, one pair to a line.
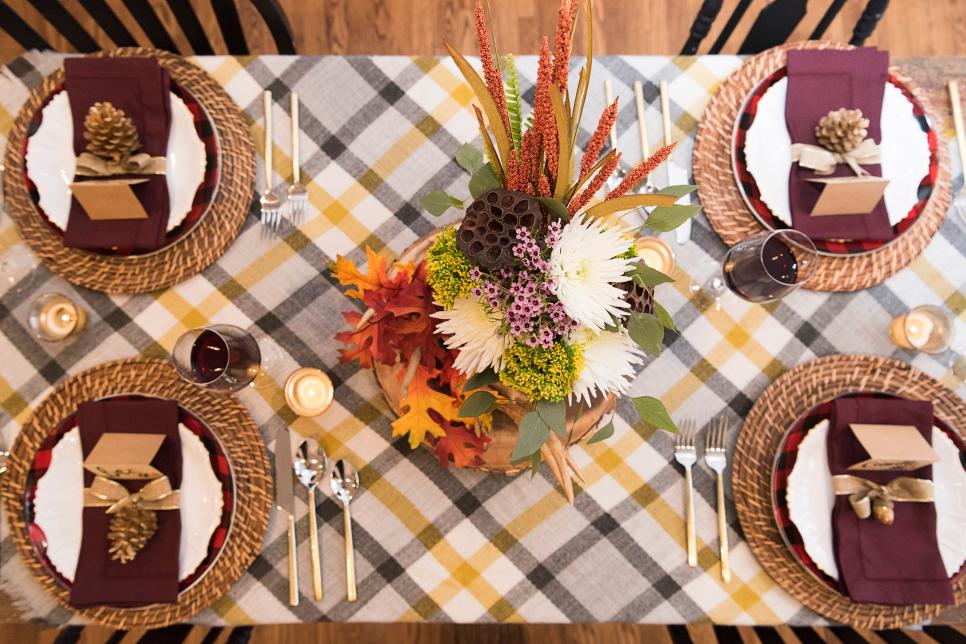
139,492
833,143
152,181
848,482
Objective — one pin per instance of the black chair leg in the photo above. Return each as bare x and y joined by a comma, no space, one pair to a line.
729,27
868,21
702,23
24,34
827,18
773,26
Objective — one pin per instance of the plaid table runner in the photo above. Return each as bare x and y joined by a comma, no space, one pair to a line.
432,544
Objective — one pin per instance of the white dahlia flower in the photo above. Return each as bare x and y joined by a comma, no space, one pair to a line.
474,330
609,361
586,267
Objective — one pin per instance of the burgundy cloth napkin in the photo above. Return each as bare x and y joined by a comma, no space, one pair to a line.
820,81
140,87
897,564
152,576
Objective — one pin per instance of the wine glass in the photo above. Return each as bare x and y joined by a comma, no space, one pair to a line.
220,357
769,265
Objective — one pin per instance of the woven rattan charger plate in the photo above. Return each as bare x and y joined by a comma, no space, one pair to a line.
729,215
185,257
772,415
226,418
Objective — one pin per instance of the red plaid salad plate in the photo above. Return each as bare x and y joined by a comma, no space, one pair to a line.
761,160
810,538
193,164
53,510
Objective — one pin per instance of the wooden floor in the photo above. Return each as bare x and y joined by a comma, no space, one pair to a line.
909,28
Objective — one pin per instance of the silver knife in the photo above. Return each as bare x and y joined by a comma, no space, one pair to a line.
285,500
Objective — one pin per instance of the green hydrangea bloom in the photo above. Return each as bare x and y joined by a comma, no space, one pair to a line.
448,269
542,374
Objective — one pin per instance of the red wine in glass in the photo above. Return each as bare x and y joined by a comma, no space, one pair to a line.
769,266
221,357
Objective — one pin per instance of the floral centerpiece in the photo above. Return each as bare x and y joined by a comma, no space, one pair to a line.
535,306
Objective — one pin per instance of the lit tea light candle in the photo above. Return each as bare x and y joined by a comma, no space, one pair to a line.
308,391
925,328
54,317
656,253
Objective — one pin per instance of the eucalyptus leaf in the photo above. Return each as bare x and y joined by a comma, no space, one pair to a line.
483,180
647,331
439,201
481,379
533,433
469,158
477,404
535,459
603,433
653,412
647,276
554,415
678,191
555,208
664,317
667,218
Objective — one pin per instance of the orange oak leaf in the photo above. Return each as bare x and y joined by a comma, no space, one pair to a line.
418,406
376,275
460,447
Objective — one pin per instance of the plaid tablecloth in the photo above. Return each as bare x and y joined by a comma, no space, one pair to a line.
436,544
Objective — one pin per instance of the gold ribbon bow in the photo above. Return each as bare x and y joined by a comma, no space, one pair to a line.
867,497
823,161
156,495
89,165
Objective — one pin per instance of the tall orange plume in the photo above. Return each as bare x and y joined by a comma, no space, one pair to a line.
491,74
640,172
596,144
602,175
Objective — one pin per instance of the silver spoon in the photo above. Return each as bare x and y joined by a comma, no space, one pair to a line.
310,465
345,486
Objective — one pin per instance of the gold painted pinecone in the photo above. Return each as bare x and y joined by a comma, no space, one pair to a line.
130,529
842,130
110,133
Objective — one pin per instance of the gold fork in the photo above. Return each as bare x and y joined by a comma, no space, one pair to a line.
716,457
297,195
686,454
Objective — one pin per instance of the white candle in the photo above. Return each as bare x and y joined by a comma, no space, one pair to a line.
308,392
54,317
918,328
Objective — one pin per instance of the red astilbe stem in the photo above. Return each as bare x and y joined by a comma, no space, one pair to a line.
491,74
640,172
602,175
604,126
562,43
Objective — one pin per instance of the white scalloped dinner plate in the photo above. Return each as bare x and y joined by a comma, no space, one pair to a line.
59,503
51,162
810,500
904,148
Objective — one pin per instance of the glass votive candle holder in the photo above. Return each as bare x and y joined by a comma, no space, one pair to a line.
925,328
54,317
308,391
656,253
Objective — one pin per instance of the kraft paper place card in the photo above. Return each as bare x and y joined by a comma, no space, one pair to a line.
892,447
125,456
848,195
112,199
